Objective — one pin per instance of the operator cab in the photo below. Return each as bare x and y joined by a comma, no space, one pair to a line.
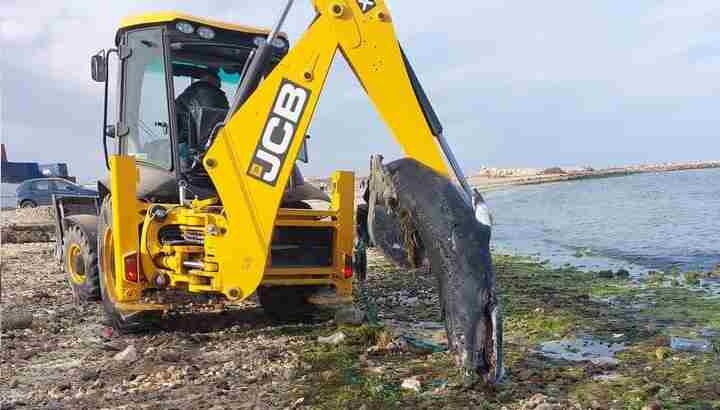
177,79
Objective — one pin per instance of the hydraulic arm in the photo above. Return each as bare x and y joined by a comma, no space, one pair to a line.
251,159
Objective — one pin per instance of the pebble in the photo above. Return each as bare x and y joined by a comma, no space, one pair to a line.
170,356
127,355
334,339
88,374
411,384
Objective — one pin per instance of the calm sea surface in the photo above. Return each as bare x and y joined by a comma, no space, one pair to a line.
639,222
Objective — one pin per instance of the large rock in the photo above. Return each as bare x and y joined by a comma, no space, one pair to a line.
128,355
16,320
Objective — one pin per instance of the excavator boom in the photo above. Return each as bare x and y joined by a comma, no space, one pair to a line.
251,159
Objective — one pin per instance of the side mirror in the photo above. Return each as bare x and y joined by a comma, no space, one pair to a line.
98,68
303,155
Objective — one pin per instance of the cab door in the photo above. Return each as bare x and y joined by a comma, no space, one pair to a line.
145,109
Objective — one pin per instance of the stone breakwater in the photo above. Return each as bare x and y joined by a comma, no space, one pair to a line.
493,177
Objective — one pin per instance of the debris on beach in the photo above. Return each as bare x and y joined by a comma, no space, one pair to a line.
129,354
334,339
682,344
711,285
412,384
581,350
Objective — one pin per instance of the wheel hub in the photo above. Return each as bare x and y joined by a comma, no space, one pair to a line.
76,264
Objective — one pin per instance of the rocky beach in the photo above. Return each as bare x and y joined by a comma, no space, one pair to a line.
573,339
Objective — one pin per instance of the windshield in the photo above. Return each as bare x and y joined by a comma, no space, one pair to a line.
229,81
205,79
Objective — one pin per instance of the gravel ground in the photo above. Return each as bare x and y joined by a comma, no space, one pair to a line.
67,356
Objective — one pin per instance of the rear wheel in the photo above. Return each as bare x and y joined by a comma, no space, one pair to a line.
81,264
287,302
125,322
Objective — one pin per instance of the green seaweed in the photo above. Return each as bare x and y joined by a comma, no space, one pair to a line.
539,304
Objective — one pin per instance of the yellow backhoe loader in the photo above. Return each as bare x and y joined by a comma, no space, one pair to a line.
204,196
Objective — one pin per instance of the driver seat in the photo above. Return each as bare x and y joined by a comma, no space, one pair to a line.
199,108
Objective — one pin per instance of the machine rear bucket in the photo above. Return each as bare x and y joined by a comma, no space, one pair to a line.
417,216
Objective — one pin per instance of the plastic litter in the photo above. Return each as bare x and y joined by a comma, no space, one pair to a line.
682,344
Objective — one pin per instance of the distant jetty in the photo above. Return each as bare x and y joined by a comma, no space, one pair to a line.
493,178
489,178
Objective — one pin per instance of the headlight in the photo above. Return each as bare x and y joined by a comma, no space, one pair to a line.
185,27
280,43
259,41
206,32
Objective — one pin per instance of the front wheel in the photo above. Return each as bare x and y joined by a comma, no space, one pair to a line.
81,264
28,204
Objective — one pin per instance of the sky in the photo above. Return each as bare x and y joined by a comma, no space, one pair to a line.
515,83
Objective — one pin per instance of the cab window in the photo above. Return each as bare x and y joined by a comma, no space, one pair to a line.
146,103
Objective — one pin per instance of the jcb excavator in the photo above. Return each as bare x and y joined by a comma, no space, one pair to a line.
204,197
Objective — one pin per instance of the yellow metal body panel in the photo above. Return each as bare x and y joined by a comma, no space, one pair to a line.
250,168
340,216
207,220
123,185
170,16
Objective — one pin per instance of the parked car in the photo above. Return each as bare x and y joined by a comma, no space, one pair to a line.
36,192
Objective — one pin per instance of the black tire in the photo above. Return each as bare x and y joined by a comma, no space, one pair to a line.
81,264
28,204
127,323
287,303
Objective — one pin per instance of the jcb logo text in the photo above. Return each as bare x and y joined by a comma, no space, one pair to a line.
279,132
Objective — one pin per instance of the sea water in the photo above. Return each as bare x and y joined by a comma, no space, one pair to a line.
653,221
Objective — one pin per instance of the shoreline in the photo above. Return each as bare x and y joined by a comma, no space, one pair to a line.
503,177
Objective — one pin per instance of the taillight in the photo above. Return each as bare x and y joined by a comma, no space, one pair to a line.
132,273
348,268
